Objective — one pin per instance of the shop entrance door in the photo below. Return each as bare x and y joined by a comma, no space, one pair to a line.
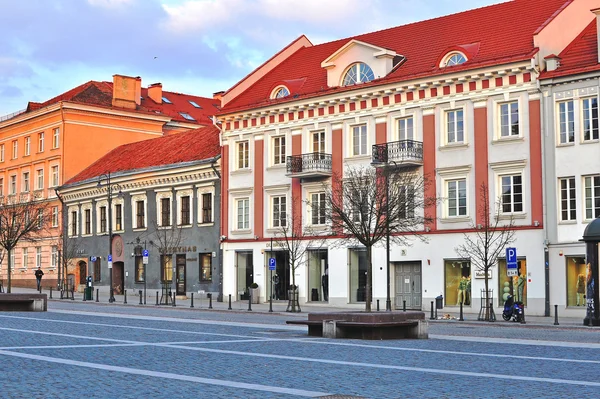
245,273
281,275
408,285
180,278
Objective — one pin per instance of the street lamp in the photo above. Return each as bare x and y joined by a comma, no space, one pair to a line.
104,181
388,300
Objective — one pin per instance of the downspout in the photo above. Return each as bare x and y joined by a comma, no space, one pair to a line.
64,240
212,165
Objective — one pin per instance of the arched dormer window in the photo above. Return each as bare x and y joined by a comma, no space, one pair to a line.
454,58
280,92
358,73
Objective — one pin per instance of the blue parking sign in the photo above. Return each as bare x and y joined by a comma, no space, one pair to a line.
511,262
272,263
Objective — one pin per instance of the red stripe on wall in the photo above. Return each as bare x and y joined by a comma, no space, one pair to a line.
481,159
259,146
498,82
472,86
381,133
535,156
459,88
429,166
386,100
485,84
433,92
374,103
342,107
397,98
363,104
446,90
296,186
409,96
512,79
337,156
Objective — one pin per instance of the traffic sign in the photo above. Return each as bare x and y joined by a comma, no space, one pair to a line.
110,258
511,262
110,261
93,258
145,252
145,260
272,263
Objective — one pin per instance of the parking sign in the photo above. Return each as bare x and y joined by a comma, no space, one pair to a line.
511,262
272,264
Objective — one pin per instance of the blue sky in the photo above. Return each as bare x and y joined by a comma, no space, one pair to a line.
190,46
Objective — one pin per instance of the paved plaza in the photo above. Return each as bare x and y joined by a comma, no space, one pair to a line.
95,350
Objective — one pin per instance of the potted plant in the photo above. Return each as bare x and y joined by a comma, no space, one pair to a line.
255,292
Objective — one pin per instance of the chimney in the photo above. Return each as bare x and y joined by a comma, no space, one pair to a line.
126,91
597,12
155,92
552,62
218,96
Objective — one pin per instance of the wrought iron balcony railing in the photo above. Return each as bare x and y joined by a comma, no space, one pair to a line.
309,165
403,152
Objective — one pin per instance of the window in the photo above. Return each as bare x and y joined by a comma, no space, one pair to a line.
568,205
25,186
139,213
590,118
359,140
41,142
512,193
279,208
39,179
54,257
55,135
12,258
358,266
74,223
243,213
27,145
457,197
281,92
576,280
185,210
455,132
1,186
166,268
457,274
15,149
166,100
139,269
88,221
242,154
194,104
187,116
207,208
318,141
509,119
358,73
165,211
97,270
455,59
317,208
566,122
406,202
1,152
405,129
38,257
592,197
518,282
55,216
118,217
279,150
25,257
54,171
40,218
102,219
13,185
206,267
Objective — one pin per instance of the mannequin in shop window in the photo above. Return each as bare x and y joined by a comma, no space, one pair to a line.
276,284
520,286
468,291
580,289
325,284
462,291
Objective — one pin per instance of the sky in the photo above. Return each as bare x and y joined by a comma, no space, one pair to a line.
196,47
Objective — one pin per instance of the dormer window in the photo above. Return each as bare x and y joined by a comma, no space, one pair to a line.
358,73
454,59
187,116
280,92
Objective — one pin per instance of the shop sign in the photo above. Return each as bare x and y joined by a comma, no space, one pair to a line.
481,274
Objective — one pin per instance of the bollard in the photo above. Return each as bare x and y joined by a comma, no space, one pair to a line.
250,301
192,304
378,305
156,298
210,300
174,295
50,292
555,314
97,295
404,305
460,318
61,294
125,297
431,318
72,294
229,308
140,292
84,295
523,318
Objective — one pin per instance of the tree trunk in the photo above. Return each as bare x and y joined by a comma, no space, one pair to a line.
293,288
487,296
369,279
8,281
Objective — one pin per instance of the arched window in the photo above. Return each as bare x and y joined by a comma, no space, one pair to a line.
358,73
454,59
280,92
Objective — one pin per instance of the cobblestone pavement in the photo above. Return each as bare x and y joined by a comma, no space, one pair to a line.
82,349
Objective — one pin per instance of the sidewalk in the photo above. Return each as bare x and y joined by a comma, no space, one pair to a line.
280,307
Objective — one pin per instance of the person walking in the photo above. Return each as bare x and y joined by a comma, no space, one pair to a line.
38,276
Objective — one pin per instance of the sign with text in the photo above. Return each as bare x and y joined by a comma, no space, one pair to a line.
272,264
511,262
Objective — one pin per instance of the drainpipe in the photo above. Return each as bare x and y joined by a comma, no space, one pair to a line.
63,227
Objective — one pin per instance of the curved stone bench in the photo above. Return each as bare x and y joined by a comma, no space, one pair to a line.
23,302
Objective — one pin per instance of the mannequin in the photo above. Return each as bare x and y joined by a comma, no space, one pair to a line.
520,286
325,284
462,290
468,291
580,289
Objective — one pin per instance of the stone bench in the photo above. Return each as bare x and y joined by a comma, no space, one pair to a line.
23,302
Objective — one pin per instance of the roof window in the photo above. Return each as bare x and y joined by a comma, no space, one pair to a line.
453,59
166,100
194,104
187,116
358,73
280,92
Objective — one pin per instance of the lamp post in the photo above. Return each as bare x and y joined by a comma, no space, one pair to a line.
110,187
388,300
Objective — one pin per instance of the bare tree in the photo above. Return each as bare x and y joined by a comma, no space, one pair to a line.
68,248
483,247
367,204
22,218
165,239
296,239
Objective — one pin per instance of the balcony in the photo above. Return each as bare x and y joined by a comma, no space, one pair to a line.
314,164
401,153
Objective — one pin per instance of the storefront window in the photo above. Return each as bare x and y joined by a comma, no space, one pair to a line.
318,275
282,279
576,279
245,268
358,275
514,285
458,282
206,267
139,269
166,266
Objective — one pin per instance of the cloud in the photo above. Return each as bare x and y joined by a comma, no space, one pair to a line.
109,3
202,15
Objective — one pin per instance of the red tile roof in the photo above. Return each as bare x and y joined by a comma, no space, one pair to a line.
100,94
504,33
192,145
580,56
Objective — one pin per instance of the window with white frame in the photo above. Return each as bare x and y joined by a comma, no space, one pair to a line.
243,154
511,187
55,136
406,129
406,202
13,258
103,219
15,149
589,107
592,196
39,179
101,216
165,212
40,219
242,206
54,257
568,203
566,122
207,207
54,175
358,73
455,126
359,140
279,211
1,152
25,181
185,213
138,211
118,215
73,221
317,208
38,256
12,189
87,221
318,141
55,216
509,119
41,142
456,191
1,186
25,257
27,145
279,150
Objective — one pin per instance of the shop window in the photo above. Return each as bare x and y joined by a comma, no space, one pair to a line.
97,270
358,275
139,269
576,280
318,275
166,268
457,274
514,285
206,267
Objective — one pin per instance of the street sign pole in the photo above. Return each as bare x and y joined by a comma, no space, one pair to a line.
271,272
145,255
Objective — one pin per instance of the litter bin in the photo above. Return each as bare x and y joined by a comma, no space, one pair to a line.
88,289
439,302
314,295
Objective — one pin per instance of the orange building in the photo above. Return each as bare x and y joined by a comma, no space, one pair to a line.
48,143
